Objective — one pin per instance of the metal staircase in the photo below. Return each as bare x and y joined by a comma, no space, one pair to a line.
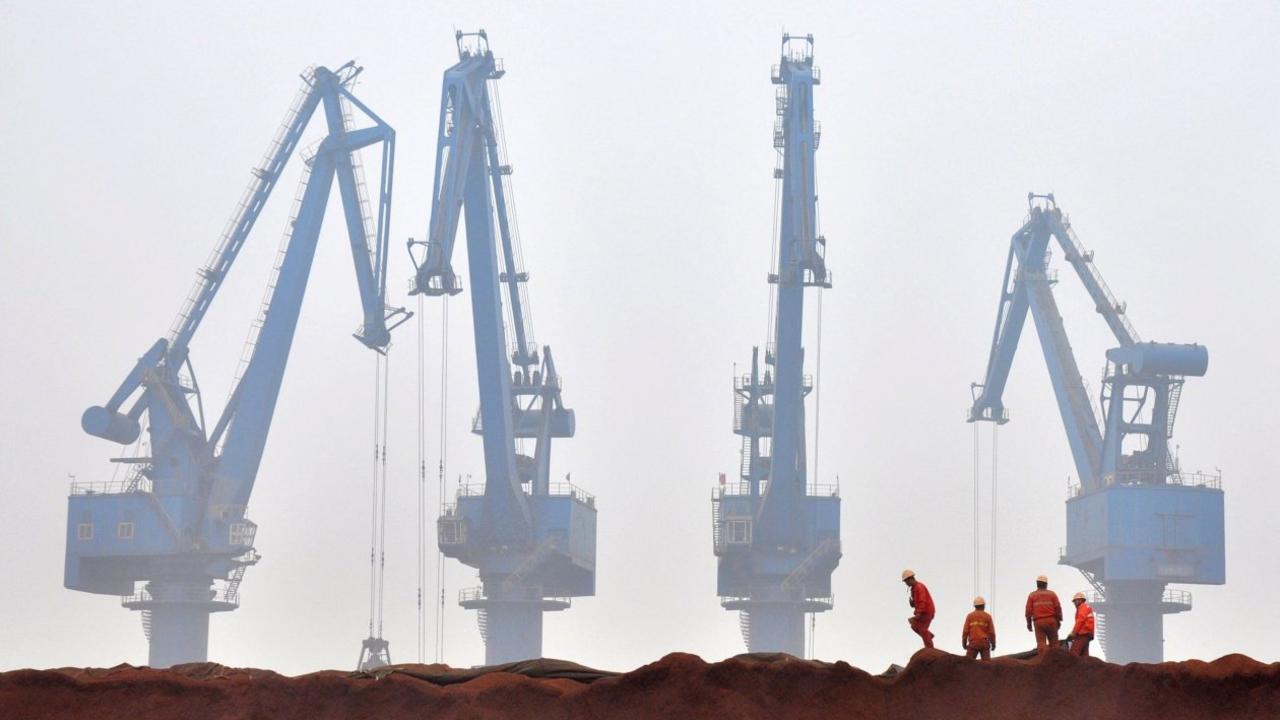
531,563
1100,631
795,581
1175,394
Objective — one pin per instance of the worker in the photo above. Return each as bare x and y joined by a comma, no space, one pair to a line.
1044,614
1082,632
979,636
922,603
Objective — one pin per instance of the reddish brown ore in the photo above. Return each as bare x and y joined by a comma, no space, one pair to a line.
934,685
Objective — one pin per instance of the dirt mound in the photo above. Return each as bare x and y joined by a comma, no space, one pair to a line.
933,685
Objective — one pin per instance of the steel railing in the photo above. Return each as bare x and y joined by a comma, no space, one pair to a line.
555,489
111,487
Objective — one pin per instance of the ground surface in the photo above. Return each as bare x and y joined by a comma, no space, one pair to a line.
933,685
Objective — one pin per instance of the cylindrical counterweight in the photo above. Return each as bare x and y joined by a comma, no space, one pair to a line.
101,422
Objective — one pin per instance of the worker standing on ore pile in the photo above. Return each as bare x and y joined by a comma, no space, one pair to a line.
979,637
1082,632
1044,614
922,602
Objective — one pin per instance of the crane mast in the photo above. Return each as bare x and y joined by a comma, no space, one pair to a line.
532,541
1136,521
178,522
776,535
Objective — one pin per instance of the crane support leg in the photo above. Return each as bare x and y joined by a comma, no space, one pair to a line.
179,633
776,628
513,632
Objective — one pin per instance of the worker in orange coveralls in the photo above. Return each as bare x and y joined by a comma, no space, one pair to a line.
1082,632
979,637
922,602
1044,614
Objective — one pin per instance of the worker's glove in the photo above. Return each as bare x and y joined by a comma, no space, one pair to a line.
993,646
1090,637
1028,626
964,646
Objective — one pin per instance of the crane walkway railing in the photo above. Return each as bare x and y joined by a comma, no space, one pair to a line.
1107,304
1209,481
144,597
111,487
210,276
555,489
362,194
477,595
1081,407
255,328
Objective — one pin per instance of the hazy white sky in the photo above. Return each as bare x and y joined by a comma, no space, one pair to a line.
640,134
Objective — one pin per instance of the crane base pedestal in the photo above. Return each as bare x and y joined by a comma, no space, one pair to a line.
1134,616
775,626
175,615
512,629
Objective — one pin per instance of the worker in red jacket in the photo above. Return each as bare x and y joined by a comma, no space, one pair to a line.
922,603
1044,614
1082,632
979,637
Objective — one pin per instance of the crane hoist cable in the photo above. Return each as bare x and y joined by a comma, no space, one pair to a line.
422,490
977,514
382,511
976,519
444,458
995,447
378,500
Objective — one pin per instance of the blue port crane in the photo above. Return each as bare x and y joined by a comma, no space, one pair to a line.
532,541
177,523
777,536
1136,521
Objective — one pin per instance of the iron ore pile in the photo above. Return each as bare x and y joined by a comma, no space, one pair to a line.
934,684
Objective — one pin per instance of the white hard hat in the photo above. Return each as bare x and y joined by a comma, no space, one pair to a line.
908,573
1043,578
1078,596
979,601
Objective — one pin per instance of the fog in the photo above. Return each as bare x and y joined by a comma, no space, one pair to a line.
640,136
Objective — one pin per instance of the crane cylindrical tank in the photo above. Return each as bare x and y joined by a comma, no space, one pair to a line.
1153,358
110,425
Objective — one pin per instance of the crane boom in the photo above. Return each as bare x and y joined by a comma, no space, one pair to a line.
180,520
